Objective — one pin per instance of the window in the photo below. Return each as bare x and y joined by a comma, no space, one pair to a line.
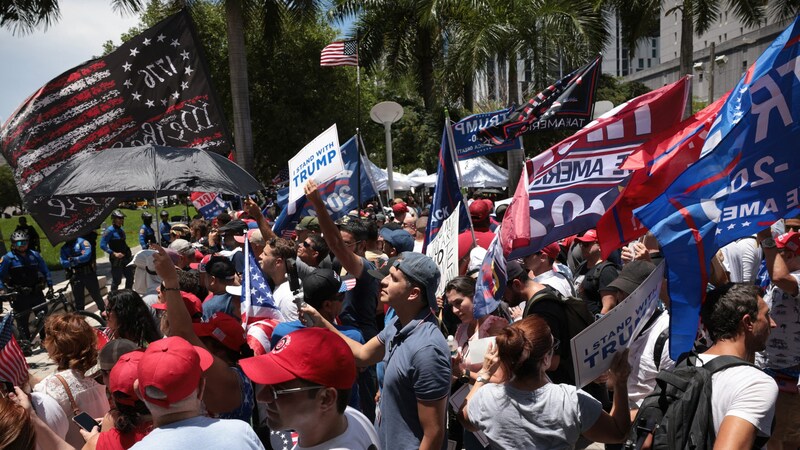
705,44
528,70
700,77
653,52
649,63
491,79
641,63
726,16
744,66
726,34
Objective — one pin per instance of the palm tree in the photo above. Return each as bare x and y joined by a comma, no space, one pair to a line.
26,16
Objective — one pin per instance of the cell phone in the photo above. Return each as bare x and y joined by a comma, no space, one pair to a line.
7,386
85,421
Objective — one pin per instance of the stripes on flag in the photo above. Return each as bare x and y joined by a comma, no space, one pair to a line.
257,300
13,366
343,53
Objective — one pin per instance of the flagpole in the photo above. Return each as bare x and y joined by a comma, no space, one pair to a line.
369,175
454,156
358,129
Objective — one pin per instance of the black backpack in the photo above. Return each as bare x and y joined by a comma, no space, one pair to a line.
678,412
575,309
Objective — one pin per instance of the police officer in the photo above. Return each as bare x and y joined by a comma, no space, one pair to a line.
119,254
21,270
164,227
76,258
147,235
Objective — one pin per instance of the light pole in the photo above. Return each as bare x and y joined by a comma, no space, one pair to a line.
387,113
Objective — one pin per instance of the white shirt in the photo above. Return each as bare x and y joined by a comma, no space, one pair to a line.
741,260
642,380
284,300
556,281
359,435
744,392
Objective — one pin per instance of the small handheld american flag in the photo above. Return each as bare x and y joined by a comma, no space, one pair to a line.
344,53
13,366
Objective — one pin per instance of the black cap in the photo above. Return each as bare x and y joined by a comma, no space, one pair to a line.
118,214
514,270
321,285
221,267
631,276
236,225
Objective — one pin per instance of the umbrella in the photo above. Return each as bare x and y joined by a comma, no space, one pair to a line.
144,171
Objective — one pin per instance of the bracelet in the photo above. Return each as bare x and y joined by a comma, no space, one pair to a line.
164,289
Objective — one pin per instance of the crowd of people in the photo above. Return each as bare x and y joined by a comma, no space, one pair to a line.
355,349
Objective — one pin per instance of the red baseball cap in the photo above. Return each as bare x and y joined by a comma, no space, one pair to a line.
193,305
589,236
399,208
201,266
313,354
122,376
551,250
789,241
479,210
224,329
172,366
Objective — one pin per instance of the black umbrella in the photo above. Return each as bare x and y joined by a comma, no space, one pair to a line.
145,171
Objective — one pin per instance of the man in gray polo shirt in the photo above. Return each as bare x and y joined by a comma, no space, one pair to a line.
417,379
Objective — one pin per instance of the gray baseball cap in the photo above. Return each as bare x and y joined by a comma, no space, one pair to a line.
422,270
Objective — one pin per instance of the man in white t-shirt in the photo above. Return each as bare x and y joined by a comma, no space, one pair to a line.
781,358
273,265
542,268
742,397
306,381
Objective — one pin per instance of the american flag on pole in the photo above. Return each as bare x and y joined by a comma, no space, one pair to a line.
153,89
257,301
13,366
344,53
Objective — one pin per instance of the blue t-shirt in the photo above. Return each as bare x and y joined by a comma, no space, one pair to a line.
202,432
245,409
217,303
417,363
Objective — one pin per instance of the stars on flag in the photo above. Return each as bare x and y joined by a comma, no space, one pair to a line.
126,66
188,71
136,96
185,54
146,42
175,43
160,38
134,51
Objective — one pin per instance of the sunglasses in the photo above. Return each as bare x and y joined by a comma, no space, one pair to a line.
271,394
20,243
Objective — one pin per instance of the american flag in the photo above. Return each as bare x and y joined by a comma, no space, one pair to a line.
13,366
152,90
257,301
282,176
344,53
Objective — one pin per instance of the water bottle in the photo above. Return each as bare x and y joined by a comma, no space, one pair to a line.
451,344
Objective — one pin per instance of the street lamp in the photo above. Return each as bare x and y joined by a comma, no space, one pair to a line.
387,113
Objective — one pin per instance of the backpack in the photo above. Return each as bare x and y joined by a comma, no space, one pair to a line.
678,412
575,309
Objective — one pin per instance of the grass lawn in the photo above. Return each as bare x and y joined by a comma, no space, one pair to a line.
132,223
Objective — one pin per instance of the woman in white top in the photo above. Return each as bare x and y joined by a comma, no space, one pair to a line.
530,412
72,345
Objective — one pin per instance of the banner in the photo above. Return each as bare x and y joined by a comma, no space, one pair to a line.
572,184
443,249
208,204
465,135
320,160
595,346
447,192
745,180
153,89
338,194
492,279
565,105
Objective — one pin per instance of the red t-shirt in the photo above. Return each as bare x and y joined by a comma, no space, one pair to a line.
114,440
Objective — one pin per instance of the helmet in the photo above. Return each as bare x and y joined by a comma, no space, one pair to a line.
117,214
164,213
19,235
147,215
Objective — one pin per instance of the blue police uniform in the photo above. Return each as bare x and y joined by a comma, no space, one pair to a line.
113,240
163,230
76,258
20,272
147,236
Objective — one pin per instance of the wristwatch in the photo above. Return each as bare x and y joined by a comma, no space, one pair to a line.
768,243
480,379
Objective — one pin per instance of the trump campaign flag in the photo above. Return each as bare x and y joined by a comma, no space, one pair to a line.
339,194
565,105
465,135
153,89
447,192
491,282
208,204
655,166
745,180
572,184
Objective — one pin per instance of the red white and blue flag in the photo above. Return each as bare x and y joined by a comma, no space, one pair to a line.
572,184
257,300
153,89
491,282
13,366
745,180
208,204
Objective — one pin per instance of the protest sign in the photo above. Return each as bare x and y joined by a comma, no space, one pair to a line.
443,249
594,347
320,160
465,135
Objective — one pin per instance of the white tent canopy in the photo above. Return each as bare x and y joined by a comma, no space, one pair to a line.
380,178
476,172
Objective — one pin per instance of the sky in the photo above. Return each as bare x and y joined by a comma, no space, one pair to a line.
31,60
